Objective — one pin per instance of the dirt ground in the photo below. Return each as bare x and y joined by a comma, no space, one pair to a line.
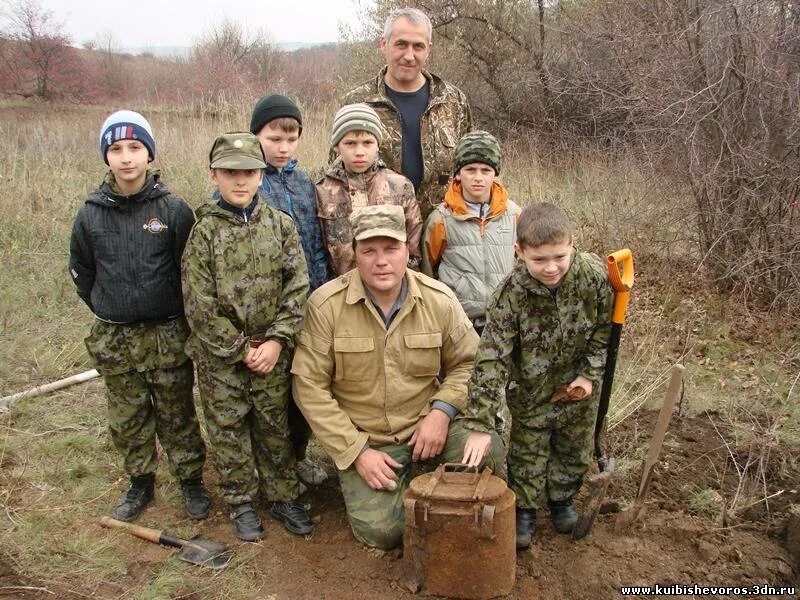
669,545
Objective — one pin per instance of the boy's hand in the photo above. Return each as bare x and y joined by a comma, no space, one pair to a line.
262,360
430,435
581,381
377,469
478,444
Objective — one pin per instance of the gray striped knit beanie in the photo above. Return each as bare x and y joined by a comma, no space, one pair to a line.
356,117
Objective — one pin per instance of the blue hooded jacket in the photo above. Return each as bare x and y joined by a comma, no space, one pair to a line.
292,191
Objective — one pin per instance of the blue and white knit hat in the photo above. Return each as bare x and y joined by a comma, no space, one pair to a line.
126,125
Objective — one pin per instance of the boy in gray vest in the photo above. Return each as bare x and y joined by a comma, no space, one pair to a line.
469,238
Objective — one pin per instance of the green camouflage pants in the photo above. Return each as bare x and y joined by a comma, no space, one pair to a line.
158,401
246,420
377,517
548,463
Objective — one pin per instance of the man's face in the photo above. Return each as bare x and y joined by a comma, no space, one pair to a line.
381,262
406,52
476,182
127,160
358,149
547,263
279,146
237,186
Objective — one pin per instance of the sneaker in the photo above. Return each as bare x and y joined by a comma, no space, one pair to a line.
563,515
526,525
139,494
293,515
195,498
310,472
246,523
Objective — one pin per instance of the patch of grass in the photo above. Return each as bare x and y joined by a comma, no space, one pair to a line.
706,502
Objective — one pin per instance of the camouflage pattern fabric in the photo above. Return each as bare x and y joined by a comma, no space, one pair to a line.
531,345
246,421
149,387
377,517
446,119
477,147
341,193
242,277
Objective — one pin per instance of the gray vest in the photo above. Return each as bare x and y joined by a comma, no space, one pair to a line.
472,265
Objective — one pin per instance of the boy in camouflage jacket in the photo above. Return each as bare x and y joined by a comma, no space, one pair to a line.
358,178
125,254
245,283
547,329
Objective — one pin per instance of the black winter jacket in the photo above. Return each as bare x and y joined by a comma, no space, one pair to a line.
125,253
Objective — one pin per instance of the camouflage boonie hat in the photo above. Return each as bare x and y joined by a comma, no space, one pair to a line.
383,220
477,147
236,150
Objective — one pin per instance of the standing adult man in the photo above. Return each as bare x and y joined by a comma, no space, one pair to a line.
424,116
365,375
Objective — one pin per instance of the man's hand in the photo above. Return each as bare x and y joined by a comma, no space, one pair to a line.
430,435
262,360
376,469
581,381
478,444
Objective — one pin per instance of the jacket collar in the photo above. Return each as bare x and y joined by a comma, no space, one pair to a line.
454,200
289,168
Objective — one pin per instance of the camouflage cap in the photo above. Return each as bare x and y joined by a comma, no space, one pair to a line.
382,220
477,147
236,150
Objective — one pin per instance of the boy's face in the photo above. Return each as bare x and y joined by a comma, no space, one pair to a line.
547,263
381,263
359,150
476,181
279,146
127,160
237,186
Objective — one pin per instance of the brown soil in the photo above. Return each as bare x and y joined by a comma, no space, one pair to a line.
668,545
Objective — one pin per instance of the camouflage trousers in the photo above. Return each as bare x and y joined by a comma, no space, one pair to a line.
299,430
158,401
246,422
377,517
550,454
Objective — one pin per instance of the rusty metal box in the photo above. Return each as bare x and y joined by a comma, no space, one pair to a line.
459,537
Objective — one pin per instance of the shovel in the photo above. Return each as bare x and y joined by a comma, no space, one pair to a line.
633,513
204,553
620,274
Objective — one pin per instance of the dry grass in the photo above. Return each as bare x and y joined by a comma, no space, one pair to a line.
58,470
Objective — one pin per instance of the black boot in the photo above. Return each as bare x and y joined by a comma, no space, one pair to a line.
563,515
136,498
196,498
246,523
293,515
526,525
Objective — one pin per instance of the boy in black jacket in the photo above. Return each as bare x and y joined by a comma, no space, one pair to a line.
125,257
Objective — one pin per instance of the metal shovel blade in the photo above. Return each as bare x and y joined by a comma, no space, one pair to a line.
205,553
597,486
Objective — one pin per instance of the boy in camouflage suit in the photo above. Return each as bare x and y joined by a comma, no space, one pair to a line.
358,178
125,254
245,283
547,329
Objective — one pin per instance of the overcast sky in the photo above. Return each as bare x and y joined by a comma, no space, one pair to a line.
141,23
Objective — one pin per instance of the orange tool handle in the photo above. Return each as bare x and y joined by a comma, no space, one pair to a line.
145,533
620,273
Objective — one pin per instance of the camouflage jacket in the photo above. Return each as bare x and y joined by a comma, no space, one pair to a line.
242,277
446,119
536,342
340,192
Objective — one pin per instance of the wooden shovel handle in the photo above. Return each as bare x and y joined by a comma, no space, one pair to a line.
145,533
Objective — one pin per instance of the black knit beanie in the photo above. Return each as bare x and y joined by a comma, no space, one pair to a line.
272,107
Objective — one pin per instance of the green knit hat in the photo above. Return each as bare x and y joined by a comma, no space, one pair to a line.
356,117
477,147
